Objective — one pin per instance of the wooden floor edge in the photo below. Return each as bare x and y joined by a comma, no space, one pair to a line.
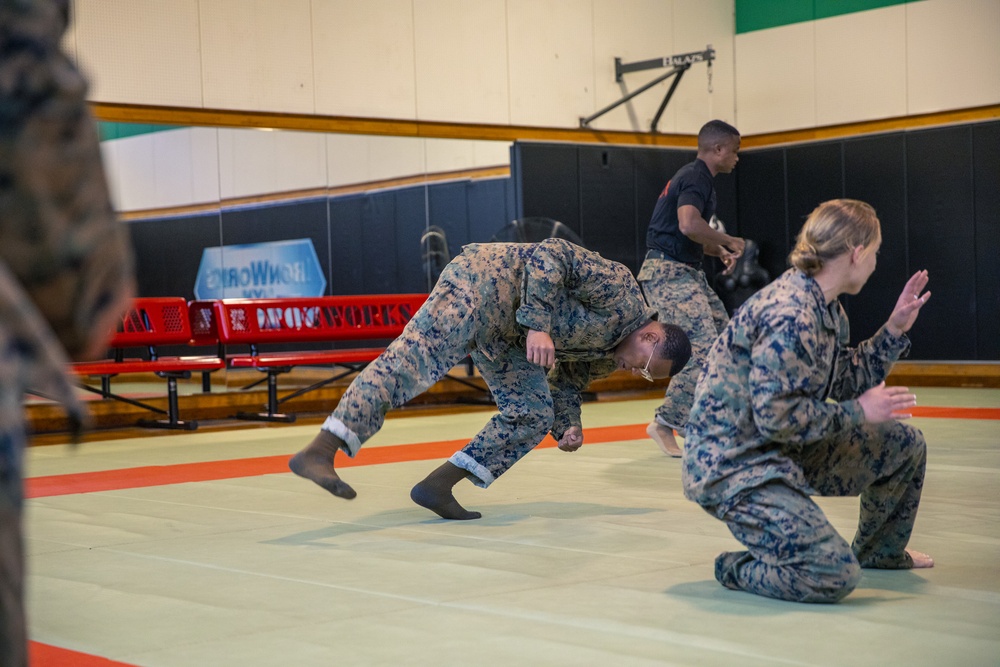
48,424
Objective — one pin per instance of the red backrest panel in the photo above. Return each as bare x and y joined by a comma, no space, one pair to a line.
322,318
153,321
204,330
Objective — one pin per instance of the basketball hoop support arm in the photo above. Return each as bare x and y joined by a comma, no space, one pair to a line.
680,63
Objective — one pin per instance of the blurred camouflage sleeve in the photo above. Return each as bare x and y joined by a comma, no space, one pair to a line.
61,238
786,407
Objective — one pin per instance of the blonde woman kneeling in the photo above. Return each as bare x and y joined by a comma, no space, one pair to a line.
786,410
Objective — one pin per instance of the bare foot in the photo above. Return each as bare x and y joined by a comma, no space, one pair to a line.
664,437
315,463
920,560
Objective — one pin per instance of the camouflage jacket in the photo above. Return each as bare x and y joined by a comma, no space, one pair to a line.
586,303
779,378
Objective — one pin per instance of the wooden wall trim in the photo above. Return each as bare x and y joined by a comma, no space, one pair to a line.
418,179
135,113
190,116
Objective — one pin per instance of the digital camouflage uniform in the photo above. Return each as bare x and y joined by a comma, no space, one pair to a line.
64,258
681,295
484,303
776,420
675,284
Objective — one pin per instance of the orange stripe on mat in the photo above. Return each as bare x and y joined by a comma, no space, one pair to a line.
956,413
44,655
133,478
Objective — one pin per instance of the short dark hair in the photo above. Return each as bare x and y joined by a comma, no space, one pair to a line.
715,132
676,347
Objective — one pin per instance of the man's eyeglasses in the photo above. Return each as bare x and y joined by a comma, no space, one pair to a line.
644,372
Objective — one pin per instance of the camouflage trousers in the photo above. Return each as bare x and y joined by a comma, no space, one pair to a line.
793,551
682,296
439,336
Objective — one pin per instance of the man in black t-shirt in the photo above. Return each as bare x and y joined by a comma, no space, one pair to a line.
671,276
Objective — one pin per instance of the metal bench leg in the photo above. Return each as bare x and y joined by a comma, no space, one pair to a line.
272,414
172,421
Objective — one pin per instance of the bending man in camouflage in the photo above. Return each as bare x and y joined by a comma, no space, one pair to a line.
763,436
65,260
518,310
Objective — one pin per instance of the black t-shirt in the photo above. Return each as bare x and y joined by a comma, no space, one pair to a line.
691,185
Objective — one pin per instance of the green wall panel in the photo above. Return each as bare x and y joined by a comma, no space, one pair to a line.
762,14
109,131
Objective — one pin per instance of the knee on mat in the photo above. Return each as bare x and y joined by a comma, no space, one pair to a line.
832,585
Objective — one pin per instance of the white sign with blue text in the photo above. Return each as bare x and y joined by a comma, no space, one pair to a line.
260,270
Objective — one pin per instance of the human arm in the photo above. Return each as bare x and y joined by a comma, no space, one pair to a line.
908,304
786,389
728,259
696,228
566,382
572,439
540,348
862,368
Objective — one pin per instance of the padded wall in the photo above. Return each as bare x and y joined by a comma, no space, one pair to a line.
935,191
365,243
941,230
986,171
607,202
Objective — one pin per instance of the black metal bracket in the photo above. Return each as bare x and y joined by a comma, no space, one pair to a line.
680,63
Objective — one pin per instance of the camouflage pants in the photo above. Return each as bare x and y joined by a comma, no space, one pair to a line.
682,296
438,337
794,553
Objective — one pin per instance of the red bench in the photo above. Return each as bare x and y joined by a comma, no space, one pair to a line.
324,319
148,323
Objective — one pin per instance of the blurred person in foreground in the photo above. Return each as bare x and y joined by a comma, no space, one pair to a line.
66,267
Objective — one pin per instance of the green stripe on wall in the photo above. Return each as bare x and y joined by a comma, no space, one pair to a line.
762,14
109,131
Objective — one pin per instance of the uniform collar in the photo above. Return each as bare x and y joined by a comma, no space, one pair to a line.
811,287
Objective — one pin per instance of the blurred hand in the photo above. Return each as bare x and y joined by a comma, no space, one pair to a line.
908,305
572,439
729,262
541,350
881,403
735,245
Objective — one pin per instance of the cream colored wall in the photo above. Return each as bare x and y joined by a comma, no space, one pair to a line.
914,58
199,165
509,62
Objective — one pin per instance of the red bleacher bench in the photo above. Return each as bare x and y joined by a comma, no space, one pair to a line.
324,319
151,322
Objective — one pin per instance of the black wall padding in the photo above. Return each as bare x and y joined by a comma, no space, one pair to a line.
365,243
607,203
547,182
347,274
942,240
936,191
875,172
760,183
168,252
986,167
815,174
